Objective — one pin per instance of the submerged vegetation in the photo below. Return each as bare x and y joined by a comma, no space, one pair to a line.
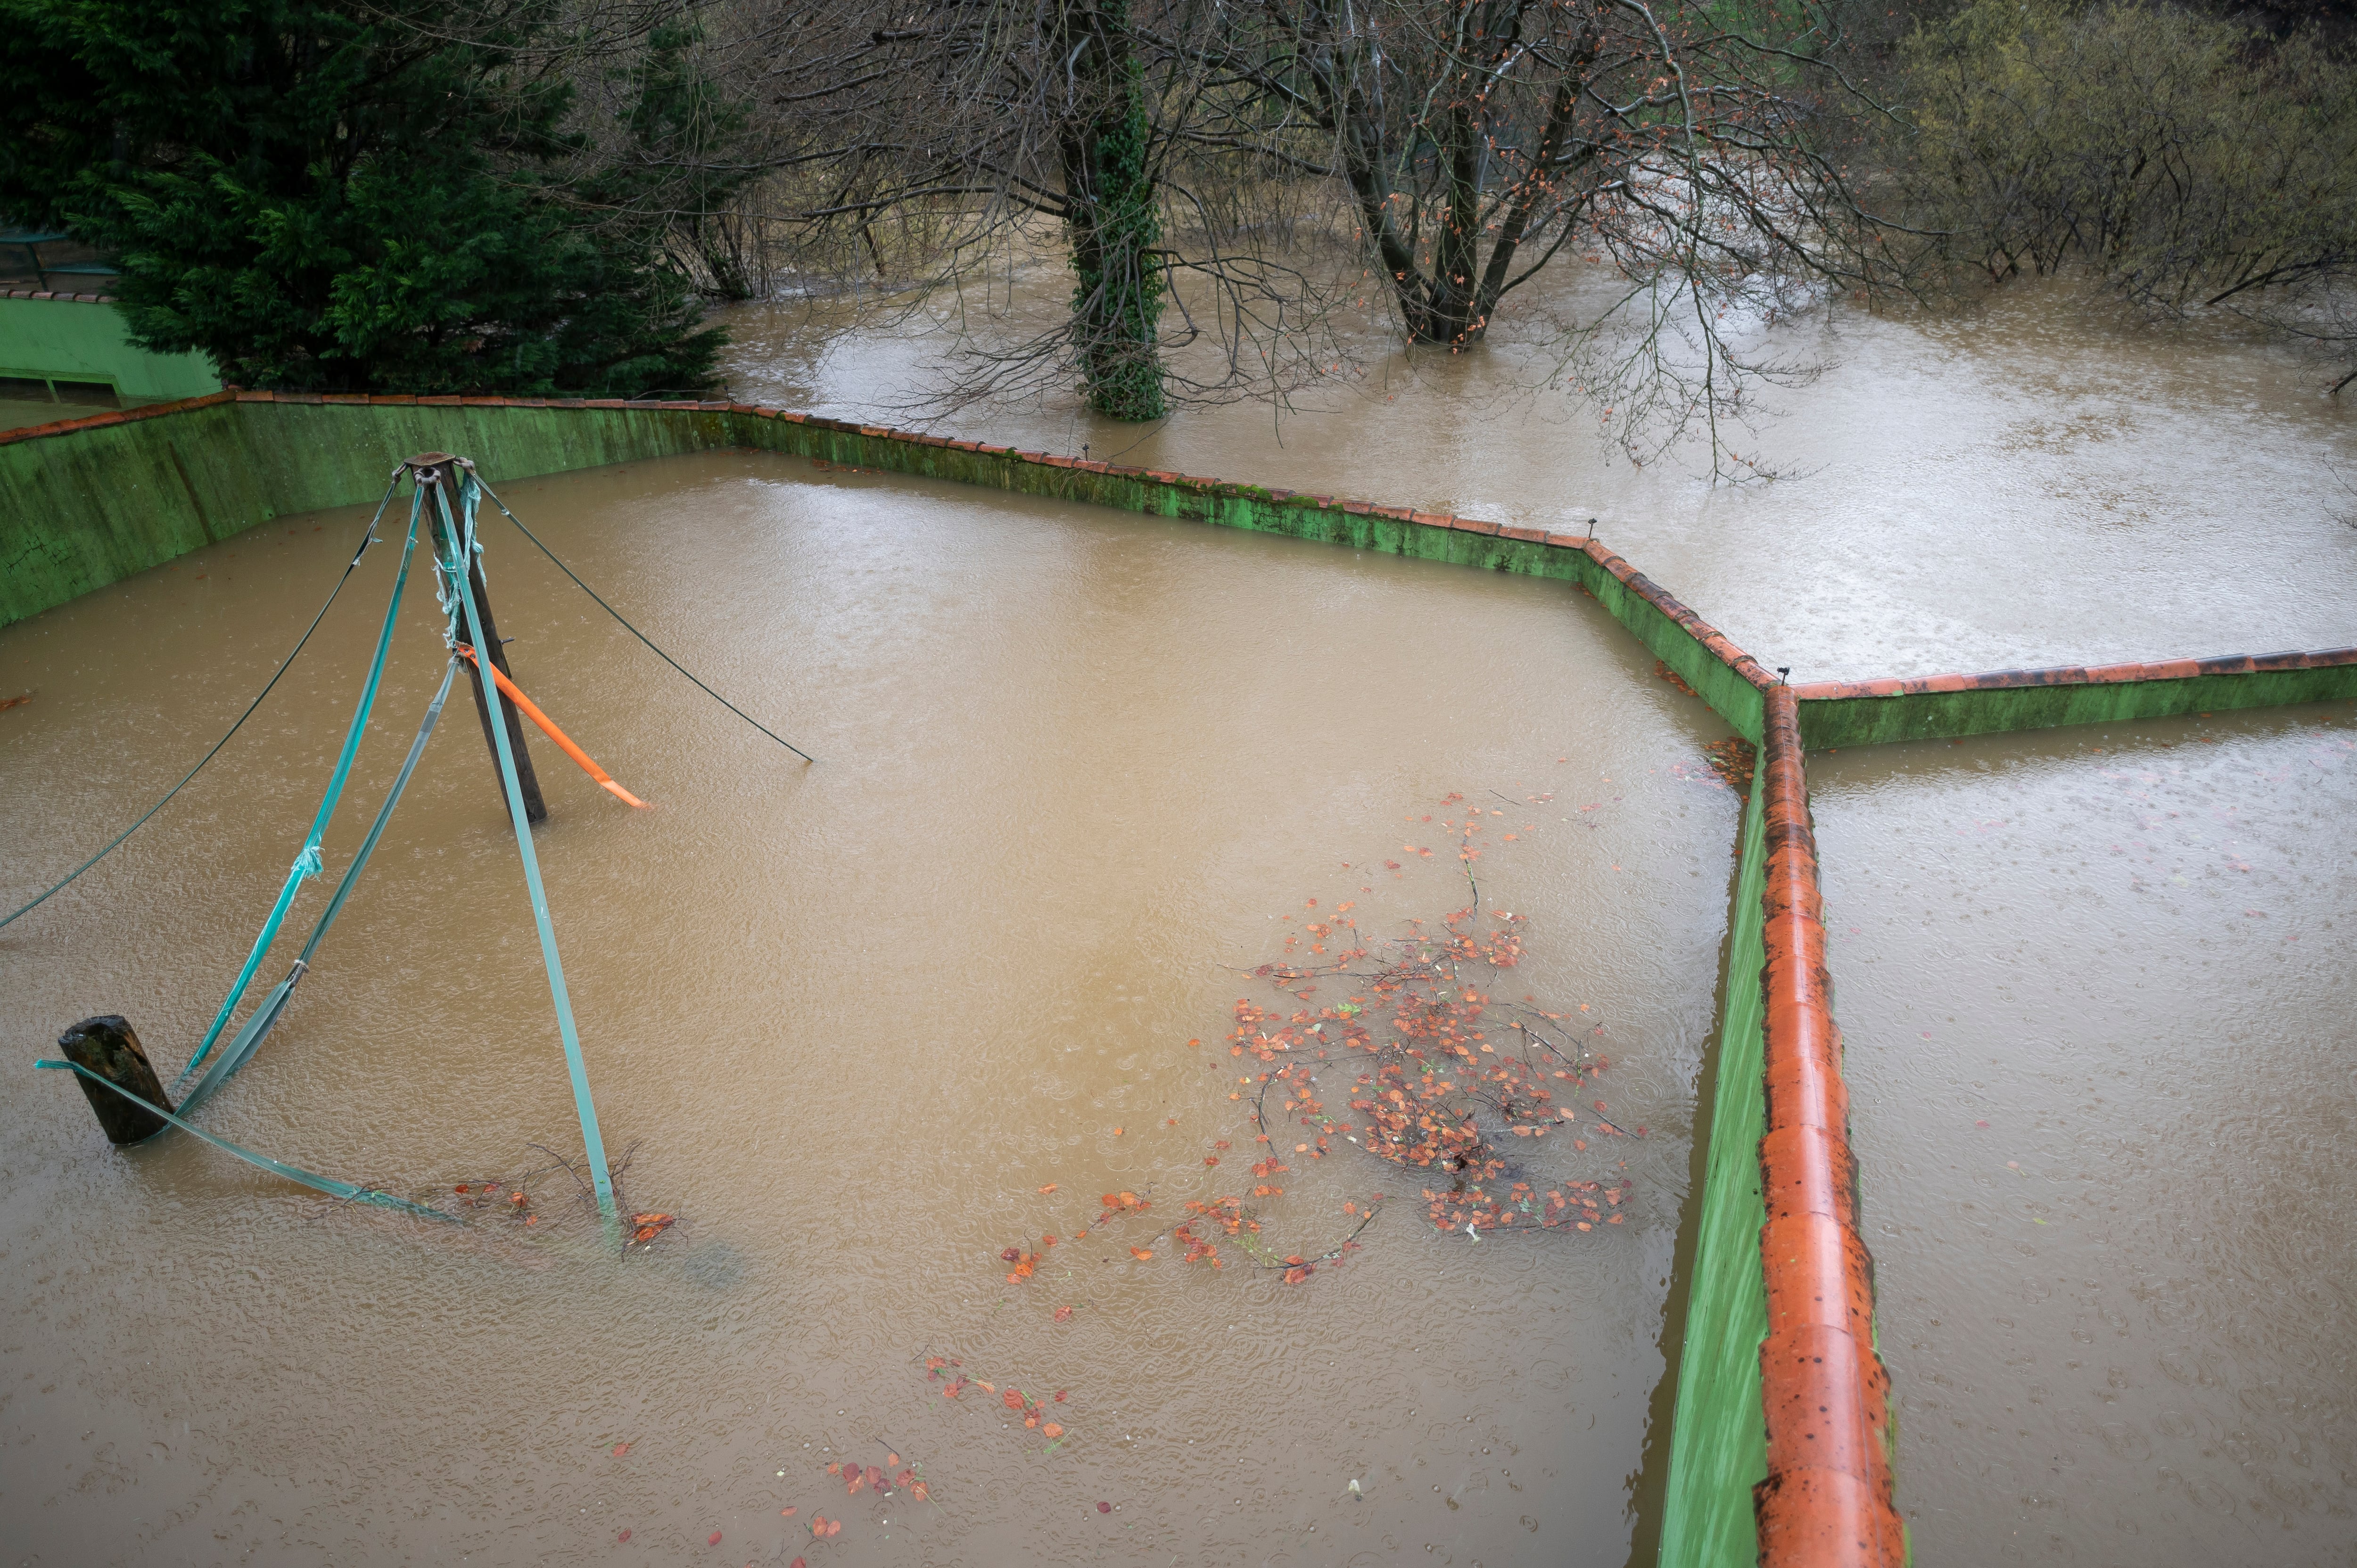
2172,159
1444,1073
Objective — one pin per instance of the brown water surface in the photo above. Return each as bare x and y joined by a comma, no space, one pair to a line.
1077,767
2023,484
2096,991
2095,984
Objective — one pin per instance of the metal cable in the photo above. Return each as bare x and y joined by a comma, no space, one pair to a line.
634,631
366,539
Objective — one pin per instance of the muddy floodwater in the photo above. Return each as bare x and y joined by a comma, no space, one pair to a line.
2120,1318
864,1026
2095,987
2021,484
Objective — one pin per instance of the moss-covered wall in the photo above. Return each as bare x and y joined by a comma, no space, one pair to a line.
1718,1438
88,503
1866,713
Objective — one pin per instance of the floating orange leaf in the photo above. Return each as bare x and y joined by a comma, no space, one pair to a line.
1141,1254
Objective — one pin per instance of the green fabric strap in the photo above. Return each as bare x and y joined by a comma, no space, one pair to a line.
307,863
316,1183
265,1017
461,546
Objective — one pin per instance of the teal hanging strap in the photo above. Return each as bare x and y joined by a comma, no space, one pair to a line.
265,1017
453,566
307,864
327,1184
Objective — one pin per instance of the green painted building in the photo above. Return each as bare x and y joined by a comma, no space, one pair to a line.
75,343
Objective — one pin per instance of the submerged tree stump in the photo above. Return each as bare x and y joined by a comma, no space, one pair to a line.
107,1047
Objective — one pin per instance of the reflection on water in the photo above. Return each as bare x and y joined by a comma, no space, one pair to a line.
2095,988
2018,486
856,1018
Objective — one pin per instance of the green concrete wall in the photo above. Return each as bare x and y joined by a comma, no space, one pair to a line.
84,340
87,505
1929,715
1718,1438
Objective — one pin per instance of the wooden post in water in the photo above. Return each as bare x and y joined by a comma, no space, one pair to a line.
107,1047
439,470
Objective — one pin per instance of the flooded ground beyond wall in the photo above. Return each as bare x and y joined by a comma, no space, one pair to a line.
864,1025
2028,484
2095,988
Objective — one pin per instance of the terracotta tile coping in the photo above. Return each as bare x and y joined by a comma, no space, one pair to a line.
57,295
1827,1498
2076,675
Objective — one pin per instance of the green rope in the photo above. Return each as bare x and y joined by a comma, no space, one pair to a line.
460,552
634,631
307,864
316,1183
368,537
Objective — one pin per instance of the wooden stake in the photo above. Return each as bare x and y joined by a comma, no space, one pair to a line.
440,469
107,1047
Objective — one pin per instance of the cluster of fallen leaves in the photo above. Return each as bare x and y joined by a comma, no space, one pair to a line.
1448,1079
883,1479
1663,670
519,1198
946,1371
1023,1259
1727,765
1734,759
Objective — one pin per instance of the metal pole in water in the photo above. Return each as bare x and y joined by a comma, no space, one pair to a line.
438,470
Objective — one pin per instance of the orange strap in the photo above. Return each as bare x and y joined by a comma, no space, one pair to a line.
563,742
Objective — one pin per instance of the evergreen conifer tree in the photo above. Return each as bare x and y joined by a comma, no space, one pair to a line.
343,195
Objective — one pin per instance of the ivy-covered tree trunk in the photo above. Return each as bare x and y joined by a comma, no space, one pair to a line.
1112,220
